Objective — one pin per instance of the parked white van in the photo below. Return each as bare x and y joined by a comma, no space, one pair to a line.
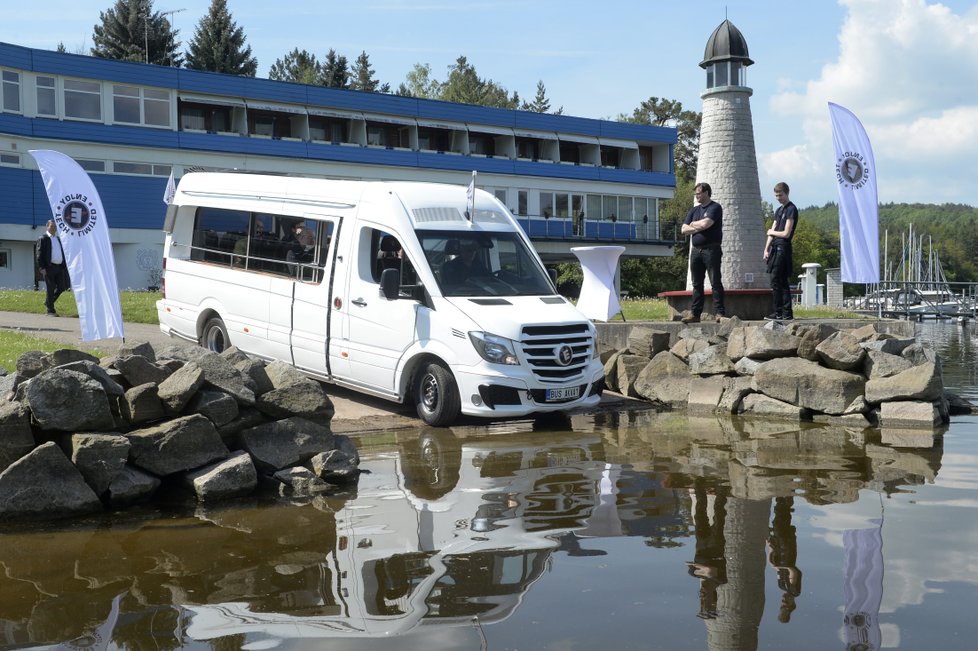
399,290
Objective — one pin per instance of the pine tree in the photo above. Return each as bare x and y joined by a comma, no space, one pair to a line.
298,66
130,31
540,103
465,86
336,72
363,74
218,44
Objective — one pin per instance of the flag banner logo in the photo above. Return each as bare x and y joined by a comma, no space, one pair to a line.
855,172
84,235
170,190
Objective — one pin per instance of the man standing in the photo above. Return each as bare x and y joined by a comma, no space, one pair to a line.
705,223
51,262
777,253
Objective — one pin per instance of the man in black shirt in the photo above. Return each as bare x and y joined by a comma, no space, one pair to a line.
777,253
705,223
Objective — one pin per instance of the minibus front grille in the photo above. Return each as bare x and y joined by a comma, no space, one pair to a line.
541,346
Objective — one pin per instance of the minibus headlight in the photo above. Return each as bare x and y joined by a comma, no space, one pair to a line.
494,349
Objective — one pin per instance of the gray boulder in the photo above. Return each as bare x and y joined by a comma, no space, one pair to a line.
887,344
756,404
683,348
705,393
232,477
178,445
910,413
808,385
44,484
746,366
301,481
711,361
665,379
68,401
334,466
131,485
254,369
841,351
769,343
177,390
879,364
646,341
139,370
284,443
920,383
69,356
141,404
99,458
306,399
611,371
628,369
97,373
31,363
219,374
737,343
16,436
218,407
140,348
735,389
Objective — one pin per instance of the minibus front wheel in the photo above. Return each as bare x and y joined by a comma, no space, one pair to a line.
214,337
436,395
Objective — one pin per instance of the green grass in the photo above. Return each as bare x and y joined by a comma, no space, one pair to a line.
14,344
137,307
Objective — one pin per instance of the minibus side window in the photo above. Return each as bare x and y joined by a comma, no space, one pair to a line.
216,233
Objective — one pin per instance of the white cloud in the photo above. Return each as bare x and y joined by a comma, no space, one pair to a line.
906,68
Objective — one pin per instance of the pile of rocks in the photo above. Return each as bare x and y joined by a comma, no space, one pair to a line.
80,434
800,371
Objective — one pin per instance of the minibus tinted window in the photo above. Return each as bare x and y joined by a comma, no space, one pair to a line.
216,232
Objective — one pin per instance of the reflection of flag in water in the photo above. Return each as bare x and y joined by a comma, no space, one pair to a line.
855,171
101,637
84,235
863,573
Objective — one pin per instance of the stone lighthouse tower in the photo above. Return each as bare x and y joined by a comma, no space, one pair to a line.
727,159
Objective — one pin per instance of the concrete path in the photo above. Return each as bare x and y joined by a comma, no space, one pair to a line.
355,412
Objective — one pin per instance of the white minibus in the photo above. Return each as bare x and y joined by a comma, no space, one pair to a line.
404,290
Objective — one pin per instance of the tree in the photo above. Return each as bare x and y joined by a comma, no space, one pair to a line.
130,31
297,66
540,103
418,83
336,73
466,87
665,112
362,77
218,44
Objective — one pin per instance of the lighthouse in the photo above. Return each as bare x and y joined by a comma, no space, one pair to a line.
727,159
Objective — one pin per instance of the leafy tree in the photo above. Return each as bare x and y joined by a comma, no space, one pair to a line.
419,83
218,44
362,77
665,112
336,72
130,31
466,87
540,103
298,66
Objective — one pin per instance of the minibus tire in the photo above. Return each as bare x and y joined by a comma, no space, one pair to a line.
214,337
436,395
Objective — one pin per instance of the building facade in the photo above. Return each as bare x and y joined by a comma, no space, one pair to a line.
570,181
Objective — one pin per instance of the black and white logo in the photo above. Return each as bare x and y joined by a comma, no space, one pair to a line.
564,355
851,170
76,215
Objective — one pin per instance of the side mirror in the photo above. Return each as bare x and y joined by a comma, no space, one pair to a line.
553,276
390,283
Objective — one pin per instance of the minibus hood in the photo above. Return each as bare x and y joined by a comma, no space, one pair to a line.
506,315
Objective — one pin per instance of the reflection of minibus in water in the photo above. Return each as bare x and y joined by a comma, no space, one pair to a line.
386,288
440,533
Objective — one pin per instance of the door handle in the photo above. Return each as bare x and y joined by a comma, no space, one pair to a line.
359,302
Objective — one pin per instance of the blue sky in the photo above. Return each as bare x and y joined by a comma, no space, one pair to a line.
907,68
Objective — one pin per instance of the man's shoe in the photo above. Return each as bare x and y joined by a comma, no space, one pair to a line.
788,317
52,313
774,317
691,318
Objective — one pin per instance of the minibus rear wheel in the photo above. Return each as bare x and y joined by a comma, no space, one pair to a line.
436,395
215,335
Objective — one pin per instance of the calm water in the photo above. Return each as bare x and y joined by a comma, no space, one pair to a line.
636,531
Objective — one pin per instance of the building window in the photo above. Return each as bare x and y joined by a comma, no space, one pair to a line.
147,169
482,145
83,100
433,139
47,103
10,159
156,107
547,204
528,148
92,165
134,105
204,117
610,157
522,201
387,135
11,91
328,129
5,259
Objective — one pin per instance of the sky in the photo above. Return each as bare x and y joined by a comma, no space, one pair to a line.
907,68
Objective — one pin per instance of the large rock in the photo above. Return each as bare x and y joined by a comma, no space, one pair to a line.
757,404
140,348
808,385
139,370
910,413
141,404
220,374
16,436
217,406
737,343
841,351
922,383
734,391
65,356
284,443
97,373
711,361
300,480
628,369
306,399
45,484
232,477
99,458
177,390
683,348
769,343
68,401
887,344
665,379
181,444
705,393
131,485
31,364
254,369
879,364
611,371
334,466
646,341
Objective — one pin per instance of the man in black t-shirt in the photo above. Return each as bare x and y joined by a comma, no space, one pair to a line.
777,253
705,223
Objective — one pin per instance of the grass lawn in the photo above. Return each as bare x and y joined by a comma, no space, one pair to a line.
137,307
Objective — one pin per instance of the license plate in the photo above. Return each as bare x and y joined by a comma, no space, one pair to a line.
566,393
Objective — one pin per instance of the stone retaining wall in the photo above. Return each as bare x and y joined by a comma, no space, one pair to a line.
80,434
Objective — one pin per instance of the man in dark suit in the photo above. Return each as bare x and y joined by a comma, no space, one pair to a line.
52,265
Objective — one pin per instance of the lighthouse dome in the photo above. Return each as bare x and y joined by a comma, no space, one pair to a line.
726,44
